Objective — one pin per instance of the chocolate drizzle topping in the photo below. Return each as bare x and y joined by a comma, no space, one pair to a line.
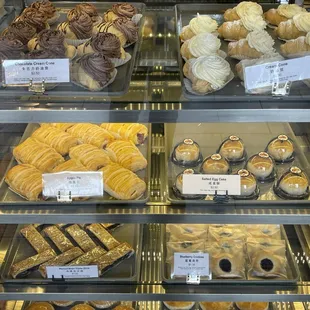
52,40
44,6
35,18
97,66
80,23
107,44
124,10
128,28
11,49
21,31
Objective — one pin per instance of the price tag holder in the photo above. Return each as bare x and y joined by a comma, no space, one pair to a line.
26,72
68,185
72,272
277,73
192,265
209,184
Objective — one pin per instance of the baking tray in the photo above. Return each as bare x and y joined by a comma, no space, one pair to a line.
121,83
233,91
292,268
8,197
127,271
255,137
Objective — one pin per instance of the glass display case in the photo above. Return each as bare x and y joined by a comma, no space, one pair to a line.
108,178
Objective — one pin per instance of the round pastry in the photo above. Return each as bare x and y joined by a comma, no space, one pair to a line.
11,49
52,40
47,8
293,184
21,31
233,149
208,305
125,10
104,43
266,264
63,303
123,28
248,184
93,71
179,305
281,149
215,164
34,18
102,304
262,166
42,305
82,307
78,27
252,305
91,11
187,153
123,307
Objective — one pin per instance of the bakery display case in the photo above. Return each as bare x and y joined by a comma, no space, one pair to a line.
147,151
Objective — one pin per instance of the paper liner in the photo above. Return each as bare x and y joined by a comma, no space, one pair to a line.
188,86
75,42
119,61
284,40
271,26
51,21
136,18
75,80
219,53
129,44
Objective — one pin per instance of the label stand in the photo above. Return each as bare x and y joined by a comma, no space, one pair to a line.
279,91
193,279
38,88
64,196
62,279
221,198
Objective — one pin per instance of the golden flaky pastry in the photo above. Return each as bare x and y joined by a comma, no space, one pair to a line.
207,305
288,31
42,305
233,31
70,165
121,183
252,305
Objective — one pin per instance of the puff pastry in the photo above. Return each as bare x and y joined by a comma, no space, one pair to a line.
38,154
61,126
81,237
55,138
58,238
126,154
91,134
35,239
89,257
26,181
70,165
121,183
90,156
134,132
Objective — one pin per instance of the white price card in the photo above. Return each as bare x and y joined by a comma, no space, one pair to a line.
191,263
277,72
20,72
207,184
72,272
78,184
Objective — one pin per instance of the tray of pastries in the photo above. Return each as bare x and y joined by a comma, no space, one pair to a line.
100,39
238,253
121,151
116,251
217,41
78,305
271,165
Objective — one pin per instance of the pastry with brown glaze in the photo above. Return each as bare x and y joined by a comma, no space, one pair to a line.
124,9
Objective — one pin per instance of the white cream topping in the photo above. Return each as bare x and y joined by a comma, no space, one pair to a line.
289,10
253,22
302,21
204,44
307,38
213,69
261,41
246,8
203,23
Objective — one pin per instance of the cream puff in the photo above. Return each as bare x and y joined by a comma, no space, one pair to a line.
187,153
215,164
233,149
281,149
248,185
262,166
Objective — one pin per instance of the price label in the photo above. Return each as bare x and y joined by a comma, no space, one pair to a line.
191,263
72,272
203,184
277,72
78,184
20,72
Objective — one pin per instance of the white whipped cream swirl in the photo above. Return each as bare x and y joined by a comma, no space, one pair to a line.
289,10
204,44
261,41
307,38
253,22
302,21
246,8
202,24
213,69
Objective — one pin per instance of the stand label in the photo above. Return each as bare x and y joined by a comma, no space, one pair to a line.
191,264
207,184
72,272
267,74
20,72
75,184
